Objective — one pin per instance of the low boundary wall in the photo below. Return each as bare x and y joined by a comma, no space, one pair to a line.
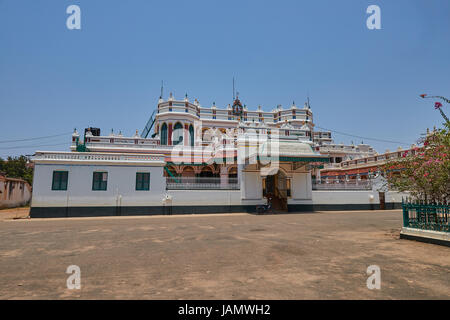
223,201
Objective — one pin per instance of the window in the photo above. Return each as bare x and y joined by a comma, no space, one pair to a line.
178,134
191,135
142,181
164,134
100,181
60,180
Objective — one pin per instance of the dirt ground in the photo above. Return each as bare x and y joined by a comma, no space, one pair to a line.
14,213
321,255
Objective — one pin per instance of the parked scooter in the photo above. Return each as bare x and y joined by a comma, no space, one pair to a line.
264,208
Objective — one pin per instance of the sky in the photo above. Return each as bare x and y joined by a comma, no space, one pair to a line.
108,74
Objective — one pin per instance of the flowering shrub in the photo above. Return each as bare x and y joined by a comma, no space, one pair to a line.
426,173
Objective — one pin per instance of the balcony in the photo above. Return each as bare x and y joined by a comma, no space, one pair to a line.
201,183
342,185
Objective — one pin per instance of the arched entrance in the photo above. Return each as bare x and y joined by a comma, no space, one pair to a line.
206,173
277,188
188,172
232,175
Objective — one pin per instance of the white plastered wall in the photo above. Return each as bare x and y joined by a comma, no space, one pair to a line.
121,187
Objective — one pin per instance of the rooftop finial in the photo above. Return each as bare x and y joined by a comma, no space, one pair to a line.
233,89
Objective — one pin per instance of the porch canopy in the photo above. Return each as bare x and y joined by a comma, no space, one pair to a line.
273,152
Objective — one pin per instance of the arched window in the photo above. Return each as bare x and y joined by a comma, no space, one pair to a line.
177,134
163,136
191,135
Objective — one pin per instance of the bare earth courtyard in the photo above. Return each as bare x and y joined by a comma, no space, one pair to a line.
230,256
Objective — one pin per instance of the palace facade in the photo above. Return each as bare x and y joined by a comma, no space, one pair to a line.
190,159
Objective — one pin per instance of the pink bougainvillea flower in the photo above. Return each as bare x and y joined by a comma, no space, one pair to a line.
437,105
423,95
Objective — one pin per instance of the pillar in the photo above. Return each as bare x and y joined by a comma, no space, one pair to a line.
169,135
186,135
223,176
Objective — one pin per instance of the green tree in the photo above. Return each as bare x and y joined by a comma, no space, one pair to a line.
16,167
425,173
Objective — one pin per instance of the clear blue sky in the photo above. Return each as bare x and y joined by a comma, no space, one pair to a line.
108,74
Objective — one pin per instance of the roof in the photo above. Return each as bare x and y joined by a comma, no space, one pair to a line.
289,151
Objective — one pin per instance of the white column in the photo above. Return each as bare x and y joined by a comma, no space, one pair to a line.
223,176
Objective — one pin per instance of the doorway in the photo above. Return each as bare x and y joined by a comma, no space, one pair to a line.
276,187
382,200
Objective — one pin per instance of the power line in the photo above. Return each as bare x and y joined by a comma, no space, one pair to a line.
365,138
35,146
36,138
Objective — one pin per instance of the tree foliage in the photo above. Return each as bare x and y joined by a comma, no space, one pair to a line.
425,173
16,167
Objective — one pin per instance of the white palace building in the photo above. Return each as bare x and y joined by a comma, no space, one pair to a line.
199,160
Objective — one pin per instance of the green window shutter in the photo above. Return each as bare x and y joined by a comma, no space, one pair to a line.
63,180
59,181
100,181
138,181
55,183
142,181
147,181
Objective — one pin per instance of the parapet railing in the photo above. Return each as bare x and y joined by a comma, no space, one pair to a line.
196,183
342,185
94,156
426,216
